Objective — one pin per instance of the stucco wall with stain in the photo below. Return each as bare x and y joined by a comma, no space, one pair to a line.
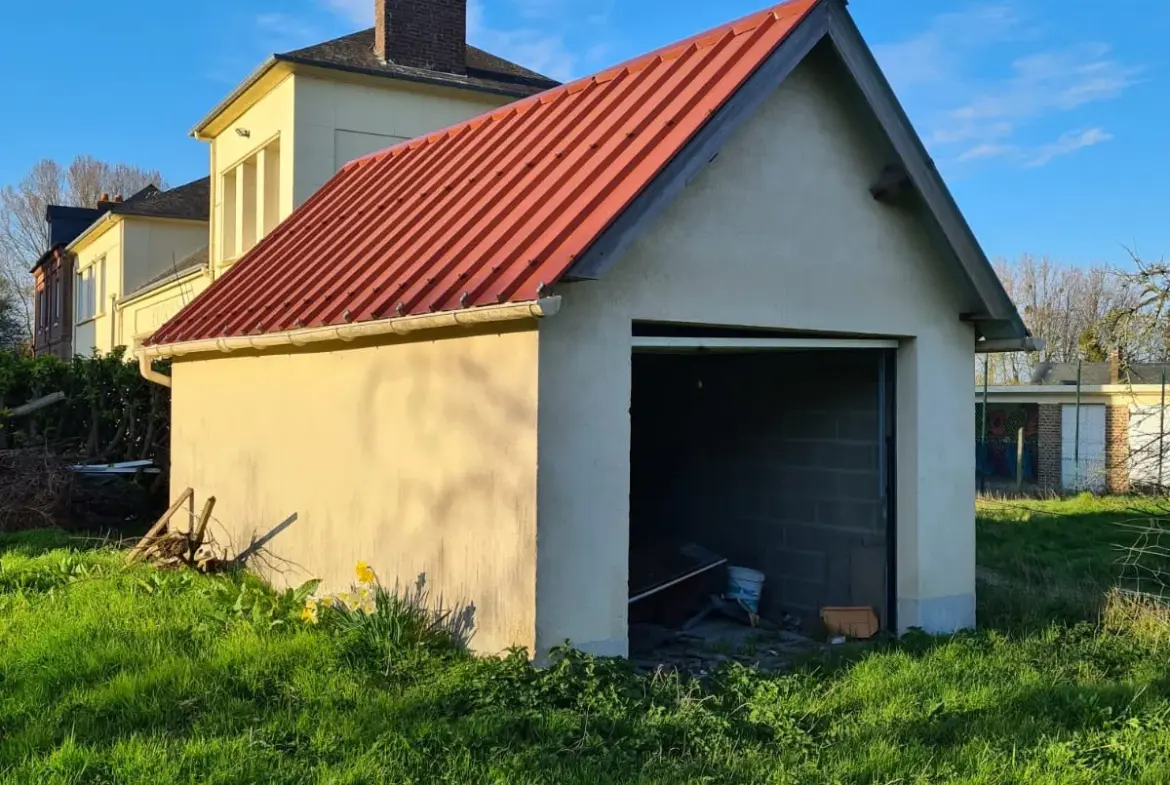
418,457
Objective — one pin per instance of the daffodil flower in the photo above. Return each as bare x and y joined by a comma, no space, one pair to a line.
365,574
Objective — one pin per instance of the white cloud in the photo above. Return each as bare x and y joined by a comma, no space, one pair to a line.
953,78
935,54
531,47
1069,143
360,12
986,150
285,30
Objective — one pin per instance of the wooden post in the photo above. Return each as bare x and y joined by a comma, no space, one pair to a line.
1020,461
185,497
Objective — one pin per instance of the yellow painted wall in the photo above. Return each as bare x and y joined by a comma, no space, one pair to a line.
418,457
96,332
337,121
153,245
141,316
269,118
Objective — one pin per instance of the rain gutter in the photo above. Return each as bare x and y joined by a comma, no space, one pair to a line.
405,325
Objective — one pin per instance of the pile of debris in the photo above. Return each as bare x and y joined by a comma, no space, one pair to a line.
36,489
165,546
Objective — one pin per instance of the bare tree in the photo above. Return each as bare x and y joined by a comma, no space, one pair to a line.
1077,311
23,231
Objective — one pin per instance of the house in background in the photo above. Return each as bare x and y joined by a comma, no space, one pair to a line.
1105,434
717,294
274,140
302,115
53,279
120,253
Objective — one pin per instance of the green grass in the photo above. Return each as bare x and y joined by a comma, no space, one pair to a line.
109,675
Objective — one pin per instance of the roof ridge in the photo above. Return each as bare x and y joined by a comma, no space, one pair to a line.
743,26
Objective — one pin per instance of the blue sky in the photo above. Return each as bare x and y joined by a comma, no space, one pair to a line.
1048,118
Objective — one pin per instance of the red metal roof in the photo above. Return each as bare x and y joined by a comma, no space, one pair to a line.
490,210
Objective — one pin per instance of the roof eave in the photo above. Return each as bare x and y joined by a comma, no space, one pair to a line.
404,325
998,318
1002,319
438,81
232,97
93,231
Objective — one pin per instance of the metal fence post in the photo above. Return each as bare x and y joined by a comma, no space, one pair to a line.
1162,434
1077,432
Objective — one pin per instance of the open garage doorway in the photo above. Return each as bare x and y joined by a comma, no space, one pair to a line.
774,455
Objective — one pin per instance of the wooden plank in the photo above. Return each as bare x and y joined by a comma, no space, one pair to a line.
201,526
159,525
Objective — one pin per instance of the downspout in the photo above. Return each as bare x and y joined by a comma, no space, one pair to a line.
146,369
404,325
113,321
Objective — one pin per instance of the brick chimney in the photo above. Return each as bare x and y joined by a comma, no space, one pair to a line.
430,34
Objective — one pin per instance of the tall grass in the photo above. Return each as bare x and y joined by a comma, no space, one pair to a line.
110,674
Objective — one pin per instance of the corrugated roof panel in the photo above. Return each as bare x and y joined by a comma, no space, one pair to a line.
490,210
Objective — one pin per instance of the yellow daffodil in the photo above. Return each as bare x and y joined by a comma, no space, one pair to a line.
309,614
365,574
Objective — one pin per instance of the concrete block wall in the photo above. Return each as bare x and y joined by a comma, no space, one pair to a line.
1117,448
772,461
1049,448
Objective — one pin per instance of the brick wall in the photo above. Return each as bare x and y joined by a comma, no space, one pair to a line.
1049,448
1117,448
429,34
772,461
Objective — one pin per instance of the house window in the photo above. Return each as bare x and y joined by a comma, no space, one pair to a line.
250,197
91,290
57,287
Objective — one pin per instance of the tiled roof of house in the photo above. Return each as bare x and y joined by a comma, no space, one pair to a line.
355,52
1099,373
191,201
491,210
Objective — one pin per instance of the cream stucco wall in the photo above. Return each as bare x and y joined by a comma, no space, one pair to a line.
418,457
105,241
142,315
780,231
153,245
135,248
338,120
322,120
268,120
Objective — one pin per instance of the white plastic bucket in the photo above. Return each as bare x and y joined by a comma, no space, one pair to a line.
746,585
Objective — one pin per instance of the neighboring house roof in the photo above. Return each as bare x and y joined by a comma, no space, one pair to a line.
500,207
355,52
181,269
1099,373
191,201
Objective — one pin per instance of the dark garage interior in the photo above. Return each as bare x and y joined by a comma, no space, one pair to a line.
774,460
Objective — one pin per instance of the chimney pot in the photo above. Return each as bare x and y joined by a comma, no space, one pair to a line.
427,34
105,197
